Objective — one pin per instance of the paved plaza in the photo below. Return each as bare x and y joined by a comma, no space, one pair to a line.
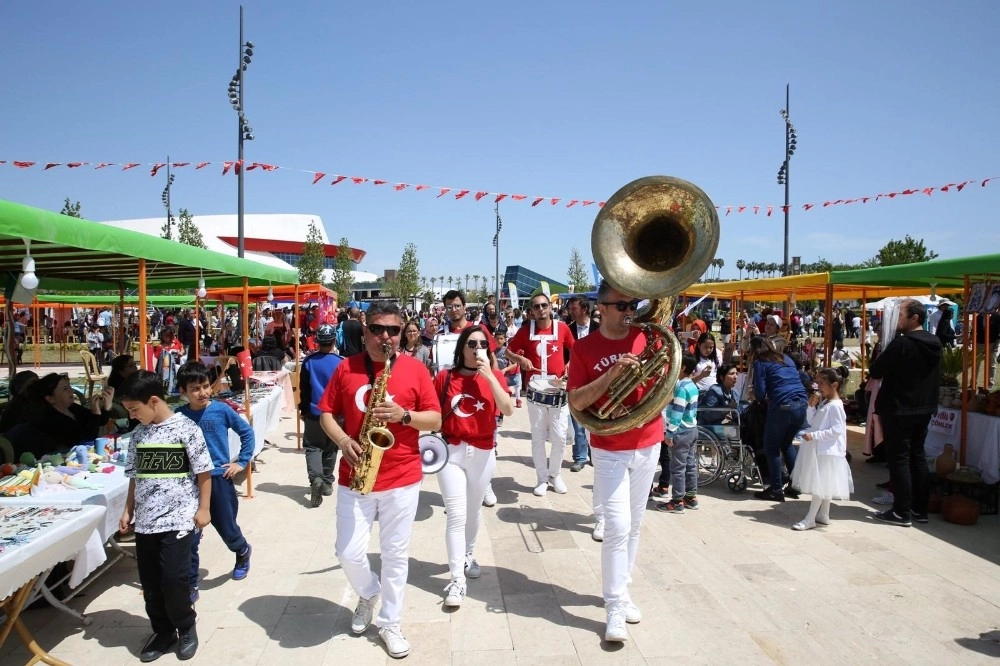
729,583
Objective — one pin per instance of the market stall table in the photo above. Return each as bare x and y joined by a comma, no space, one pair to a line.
982,445
45,536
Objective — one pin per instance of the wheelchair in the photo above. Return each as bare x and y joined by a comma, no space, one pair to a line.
721,452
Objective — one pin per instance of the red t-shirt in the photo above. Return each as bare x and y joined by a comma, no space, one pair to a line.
556,349
593,356
473,409
409,387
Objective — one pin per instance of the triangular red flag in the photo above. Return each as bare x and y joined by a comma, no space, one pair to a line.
756,209
268,167
379,182
770,209
421,187
537,201
600,204
73,165
237,166
729,209
462,194
518,197
400,186
51,164
338,179
928,190
586,203
226,166
804,207
864,200
500,197
960,186
983,184
103,164
23,165
358,180
202,165
253,165
157,167
318,176
741,209
572,203
480,195
130,165
554,201
178,165
444,191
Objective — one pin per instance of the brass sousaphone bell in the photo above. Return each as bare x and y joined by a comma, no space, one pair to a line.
653,238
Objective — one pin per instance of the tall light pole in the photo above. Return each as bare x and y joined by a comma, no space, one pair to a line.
244,131
496,245
790,143
165,197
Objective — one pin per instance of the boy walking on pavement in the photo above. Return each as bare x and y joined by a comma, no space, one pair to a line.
681,416
169,495
321,452
216,419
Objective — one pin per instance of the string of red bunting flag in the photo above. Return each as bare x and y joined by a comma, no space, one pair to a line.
461,193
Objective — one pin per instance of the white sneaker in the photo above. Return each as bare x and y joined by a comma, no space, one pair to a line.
490,498
802,525
558,484
598,533
395,644
616,631
541,489
471,567
456,593
885,497
632,613
363,614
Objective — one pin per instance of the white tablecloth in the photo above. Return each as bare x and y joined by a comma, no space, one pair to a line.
51,545
982,446
266,416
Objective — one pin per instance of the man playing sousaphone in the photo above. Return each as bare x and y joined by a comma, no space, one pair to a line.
404,403
623,463
542,349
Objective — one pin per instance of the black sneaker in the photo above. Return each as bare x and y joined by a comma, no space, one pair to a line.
770,495
893,518
690,502
157,646
919,517
187,643
791,492
327,489
885,485
316,494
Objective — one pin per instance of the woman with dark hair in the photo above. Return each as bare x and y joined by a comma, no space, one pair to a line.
411,344
18,407
57,422
472,395
720,395
708,359
491,320
776,380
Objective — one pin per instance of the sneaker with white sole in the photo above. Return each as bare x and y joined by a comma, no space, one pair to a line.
558,484
616,631
363,614
490,498
885,497
471,567
541,489
598,533
632,613
395,643
455,593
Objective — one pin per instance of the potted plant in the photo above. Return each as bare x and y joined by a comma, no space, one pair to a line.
951,368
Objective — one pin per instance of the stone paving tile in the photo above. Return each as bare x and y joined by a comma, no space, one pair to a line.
735,582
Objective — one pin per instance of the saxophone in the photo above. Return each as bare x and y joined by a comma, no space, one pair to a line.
375,438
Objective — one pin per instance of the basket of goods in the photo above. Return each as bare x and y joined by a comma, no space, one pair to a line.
15,484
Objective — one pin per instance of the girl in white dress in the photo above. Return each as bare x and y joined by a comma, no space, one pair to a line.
821,468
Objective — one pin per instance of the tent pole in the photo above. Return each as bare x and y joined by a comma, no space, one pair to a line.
245,311
143,325
295,324
965,375
864,334
119,345
828,327
197,327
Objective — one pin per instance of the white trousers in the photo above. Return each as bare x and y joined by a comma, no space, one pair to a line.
621,488
396,510
463,484
547,423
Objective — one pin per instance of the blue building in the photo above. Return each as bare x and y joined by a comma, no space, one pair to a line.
527,282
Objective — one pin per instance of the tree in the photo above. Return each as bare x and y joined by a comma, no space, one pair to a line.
577,272
719,265
740,265
467,276
406,284
313,258
187,231
71,209
907,251
342,280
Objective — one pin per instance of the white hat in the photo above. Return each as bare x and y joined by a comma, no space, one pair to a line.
774,319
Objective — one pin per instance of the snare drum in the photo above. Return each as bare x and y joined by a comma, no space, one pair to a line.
541,392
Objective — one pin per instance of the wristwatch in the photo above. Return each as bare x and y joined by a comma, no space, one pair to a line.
406,417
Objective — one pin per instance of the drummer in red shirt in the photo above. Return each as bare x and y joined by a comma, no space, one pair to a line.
472,395
541,348
623,464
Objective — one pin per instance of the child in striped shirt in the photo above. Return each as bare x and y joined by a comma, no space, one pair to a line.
681,418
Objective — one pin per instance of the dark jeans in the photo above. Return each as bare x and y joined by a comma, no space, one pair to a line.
581,447
665,456
321,452
223,505
904,441
783,422
164,560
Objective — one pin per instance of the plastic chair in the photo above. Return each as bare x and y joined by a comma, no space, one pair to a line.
93,375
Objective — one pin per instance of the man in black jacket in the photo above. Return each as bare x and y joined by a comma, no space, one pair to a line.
910,370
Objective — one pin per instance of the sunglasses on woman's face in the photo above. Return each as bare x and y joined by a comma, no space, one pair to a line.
477,344
378,329
622,306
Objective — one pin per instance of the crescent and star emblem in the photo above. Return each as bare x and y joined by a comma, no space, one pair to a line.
541,348
457,401
361,397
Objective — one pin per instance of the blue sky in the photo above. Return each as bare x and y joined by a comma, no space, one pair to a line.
541,98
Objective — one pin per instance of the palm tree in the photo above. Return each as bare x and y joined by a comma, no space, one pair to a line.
740,265
467,276
772,268
441,280
433,282
720,263
475,281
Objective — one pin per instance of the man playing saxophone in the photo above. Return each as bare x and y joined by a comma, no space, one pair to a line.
623,463
404,404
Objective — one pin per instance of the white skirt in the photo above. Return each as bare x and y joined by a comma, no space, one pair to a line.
823,476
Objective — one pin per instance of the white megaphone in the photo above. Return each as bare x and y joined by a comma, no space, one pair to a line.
433,453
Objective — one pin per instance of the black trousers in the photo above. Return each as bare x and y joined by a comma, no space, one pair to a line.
664,479
164,560
904,442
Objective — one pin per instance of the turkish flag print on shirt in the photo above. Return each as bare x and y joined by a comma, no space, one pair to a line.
473,409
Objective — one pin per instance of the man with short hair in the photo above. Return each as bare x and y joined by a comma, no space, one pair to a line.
542,350
910,369
410,406
352,334
580,327
320,450
624,463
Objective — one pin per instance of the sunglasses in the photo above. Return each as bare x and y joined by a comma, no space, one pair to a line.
539,306
622,306
379,329
480,344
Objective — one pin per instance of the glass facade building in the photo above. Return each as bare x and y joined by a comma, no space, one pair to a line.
292,259
527,281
